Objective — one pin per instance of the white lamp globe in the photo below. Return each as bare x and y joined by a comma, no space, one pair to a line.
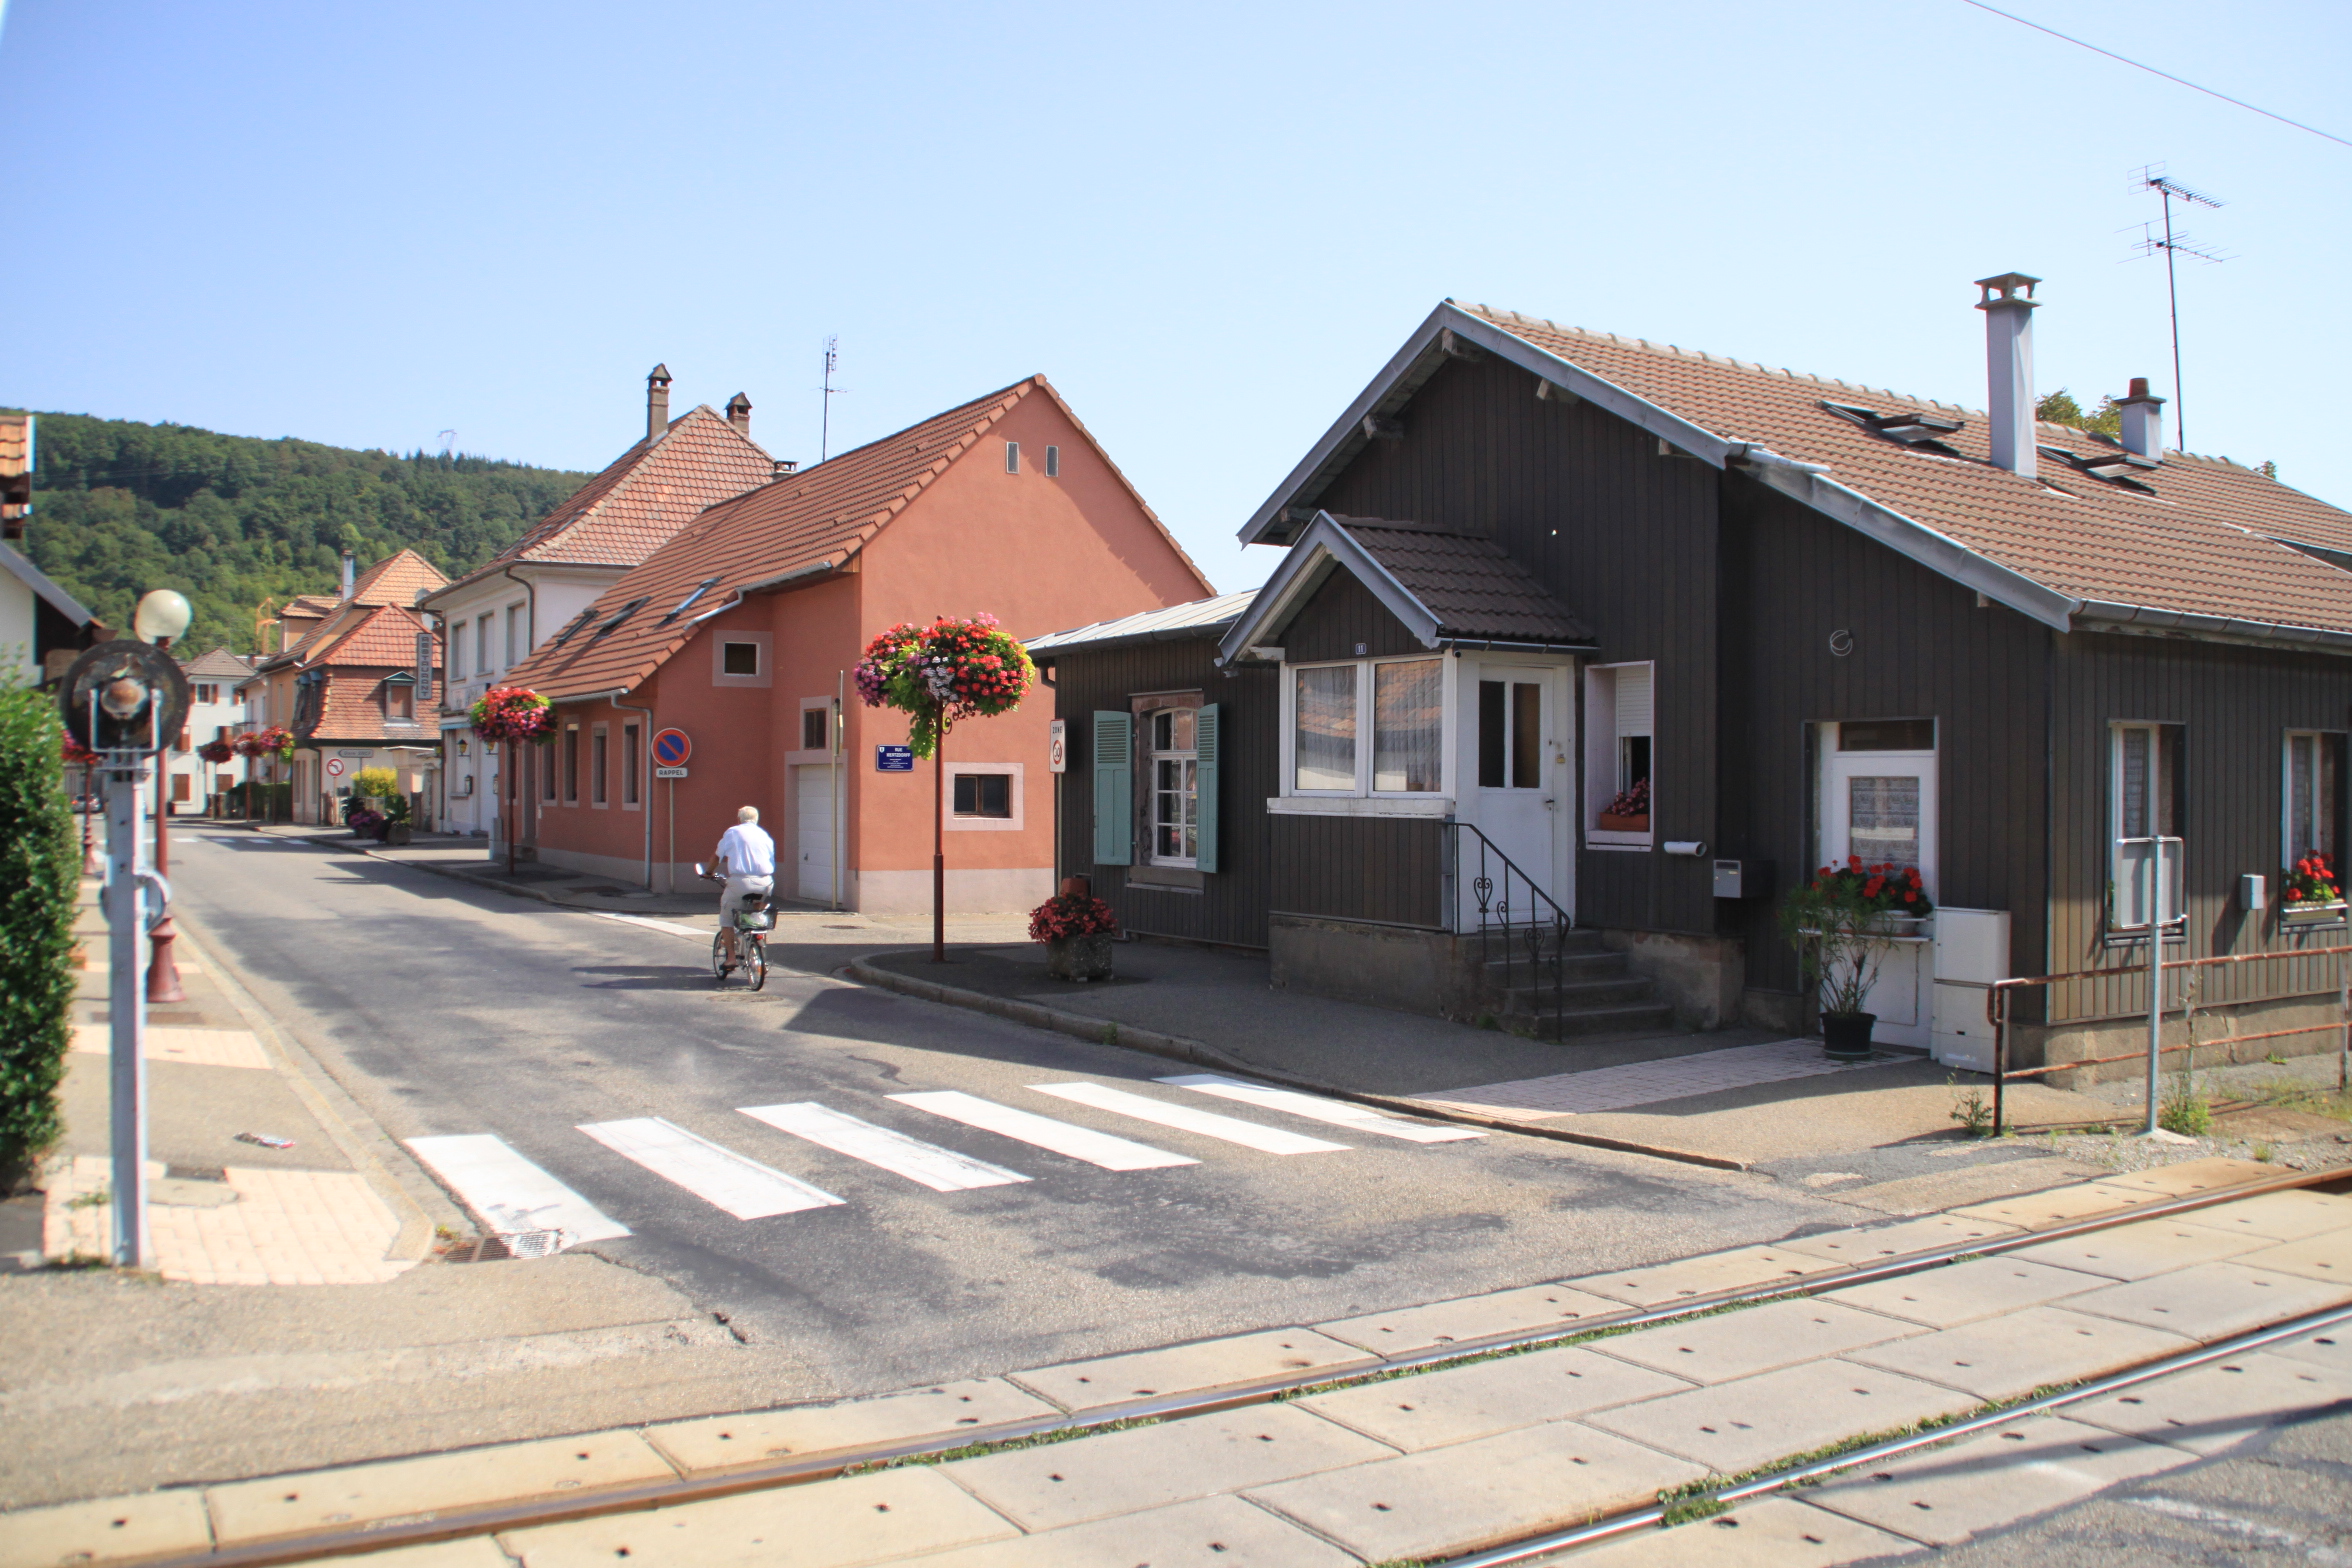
162,616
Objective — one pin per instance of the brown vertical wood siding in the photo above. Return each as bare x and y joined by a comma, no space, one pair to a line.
1232,903
1382,869
1339,615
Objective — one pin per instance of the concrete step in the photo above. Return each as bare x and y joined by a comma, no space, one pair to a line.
1575,995
1623,1018
1603,965
1548,939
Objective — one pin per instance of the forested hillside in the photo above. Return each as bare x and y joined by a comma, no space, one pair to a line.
120,508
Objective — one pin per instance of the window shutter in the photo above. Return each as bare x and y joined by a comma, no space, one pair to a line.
1206,741
1114,789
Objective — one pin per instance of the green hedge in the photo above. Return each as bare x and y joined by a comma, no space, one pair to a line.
271,802
40,873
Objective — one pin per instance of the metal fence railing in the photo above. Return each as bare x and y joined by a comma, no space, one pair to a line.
1487,895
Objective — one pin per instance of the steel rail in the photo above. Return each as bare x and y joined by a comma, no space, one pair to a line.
638,1497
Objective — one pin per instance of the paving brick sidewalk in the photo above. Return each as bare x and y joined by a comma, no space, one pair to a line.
1420,1465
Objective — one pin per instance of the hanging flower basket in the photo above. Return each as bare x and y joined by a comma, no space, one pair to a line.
276,741
943,673
512,714
217,751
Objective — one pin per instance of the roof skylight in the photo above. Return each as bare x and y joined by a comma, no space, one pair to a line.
1907,426
573,630
620,615
687,603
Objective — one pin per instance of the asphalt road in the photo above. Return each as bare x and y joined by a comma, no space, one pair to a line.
450,1010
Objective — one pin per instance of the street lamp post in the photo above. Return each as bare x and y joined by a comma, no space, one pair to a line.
162,616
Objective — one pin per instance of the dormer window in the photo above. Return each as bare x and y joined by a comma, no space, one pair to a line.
400,698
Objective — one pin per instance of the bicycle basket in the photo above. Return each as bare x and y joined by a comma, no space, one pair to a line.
754,919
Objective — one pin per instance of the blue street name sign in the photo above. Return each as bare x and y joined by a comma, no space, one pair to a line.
894,759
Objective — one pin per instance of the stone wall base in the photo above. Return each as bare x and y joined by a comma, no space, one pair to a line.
1703,976
2034,1045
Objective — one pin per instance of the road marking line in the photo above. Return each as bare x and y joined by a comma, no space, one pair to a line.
1340,1113
1272,1140
651,924
1079,1143
712,1172
941,1170
513,1195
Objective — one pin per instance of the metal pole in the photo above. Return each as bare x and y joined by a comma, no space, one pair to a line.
840,822
2344,1038
2180,439
939,846
1999,1008
673,876
126,909
2155,970
163,973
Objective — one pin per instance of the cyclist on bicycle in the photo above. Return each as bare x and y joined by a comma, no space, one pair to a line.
747,859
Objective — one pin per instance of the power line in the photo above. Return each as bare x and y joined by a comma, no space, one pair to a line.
2152,71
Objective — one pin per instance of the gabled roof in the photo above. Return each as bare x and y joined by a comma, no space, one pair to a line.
2190,546
1449,589
374,635
400,578
65,604
796,528
353,710
643,497
1177,623
219,664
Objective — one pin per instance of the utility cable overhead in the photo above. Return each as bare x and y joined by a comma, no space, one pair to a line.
2152,71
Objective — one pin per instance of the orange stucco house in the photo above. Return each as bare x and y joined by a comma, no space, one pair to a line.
741,632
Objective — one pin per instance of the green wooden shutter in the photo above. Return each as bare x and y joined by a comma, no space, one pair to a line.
1114,789
1206,739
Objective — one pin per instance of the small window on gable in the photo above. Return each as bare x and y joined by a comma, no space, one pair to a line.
812,729
1012,457
739,658
1053,462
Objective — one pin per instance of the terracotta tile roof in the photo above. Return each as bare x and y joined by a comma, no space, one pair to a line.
219,664
398,579
354,711
793,525
1471,586
2197,539
644,496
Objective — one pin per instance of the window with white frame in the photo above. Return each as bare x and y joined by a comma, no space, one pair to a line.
1172,745
482,663
1620,737
2314,767
2144,805
515,651
1397,705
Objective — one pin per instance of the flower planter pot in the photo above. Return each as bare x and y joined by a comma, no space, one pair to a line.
1613,823
1847,1035
2310,914
396,833
1079,957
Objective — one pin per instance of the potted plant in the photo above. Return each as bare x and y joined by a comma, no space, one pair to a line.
2312,894
1629,812
1841,924
1076,928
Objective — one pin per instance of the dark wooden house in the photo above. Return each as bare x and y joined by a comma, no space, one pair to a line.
1664,631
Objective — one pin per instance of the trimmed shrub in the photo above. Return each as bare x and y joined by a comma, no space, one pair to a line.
377,782
40,875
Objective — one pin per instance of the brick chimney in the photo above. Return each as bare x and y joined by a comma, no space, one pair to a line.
2008,304
2143,420
657,402
739,413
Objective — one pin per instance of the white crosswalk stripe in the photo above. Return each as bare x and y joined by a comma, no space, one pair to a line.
512,1195
1340,1113
712,1172
1272,1140
1079,1143
941,1170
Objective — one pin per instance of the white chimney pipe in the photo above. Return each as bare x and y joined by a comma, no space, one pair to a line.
350,569
2008,304
2143,420
657,402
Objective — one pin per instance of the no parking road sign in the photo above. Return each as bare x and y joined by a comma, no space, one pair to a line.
671,748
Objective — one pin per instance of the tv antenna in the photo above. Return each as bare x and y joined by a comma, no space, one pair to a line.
825,424
2173,245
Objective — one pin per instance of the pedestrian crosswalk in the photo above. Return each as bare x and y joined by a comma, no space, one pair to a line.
537,1213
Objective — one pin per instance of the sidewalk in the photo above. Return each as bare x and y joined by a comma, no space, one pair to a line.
1386,1464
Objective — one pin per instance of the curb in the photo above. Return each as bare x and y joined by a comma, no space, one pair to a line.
1105,1031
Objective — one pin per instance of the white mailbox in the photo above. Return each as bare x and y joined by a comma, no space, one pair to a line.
1971,945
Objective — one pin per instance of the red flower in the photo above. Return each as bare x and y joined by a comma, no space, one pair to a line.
1854,861
1910,898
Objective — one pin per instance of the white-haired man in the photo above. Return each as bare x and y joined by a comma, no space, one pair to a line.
747,859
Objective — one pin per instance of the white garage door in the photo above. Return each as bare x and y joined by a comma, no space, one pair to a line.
812,792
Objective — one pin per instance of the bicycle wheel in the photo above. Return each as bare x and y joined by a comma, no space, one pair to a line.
755,962
719,964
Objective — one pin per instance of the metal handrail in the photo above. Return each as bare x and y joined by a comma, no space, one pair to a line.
1523,916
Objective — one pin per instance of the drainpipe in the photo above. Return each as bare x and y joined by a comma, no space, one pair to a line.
645,784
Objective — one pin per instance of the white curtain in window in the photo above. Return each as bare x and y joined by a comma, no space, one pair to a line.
1408,725
2311,794
1324,728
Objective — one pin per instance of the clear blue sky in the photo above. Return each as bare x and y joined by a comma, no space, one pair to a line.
1209,225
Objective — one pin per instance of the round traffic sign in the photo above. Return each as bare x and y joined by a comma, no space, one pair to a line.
671,748
334,767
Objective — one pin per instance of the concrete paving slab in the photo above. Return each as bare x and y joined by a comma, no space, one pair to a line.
2060,1205
1738,1269
2326,1258
1934,1191
1461,1404
1731,1427
1490,1316
1468,1495
1872,1244
2213,1300
2191,1177
755,1436
1151,1467
1208,1532
2281,1216
1770,1532
477,1551
2208,1409
871,1518
1180,1369
1947,1495
2330,1348
2018,1352
2140,1249
105,1530
1963,1292
1758,1339
320,1499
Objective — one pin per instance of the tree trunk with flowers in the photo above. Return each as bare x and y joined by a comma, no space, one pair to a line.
936,675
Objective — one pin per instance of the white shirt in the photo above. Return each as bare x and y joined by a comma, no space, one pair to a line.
748,851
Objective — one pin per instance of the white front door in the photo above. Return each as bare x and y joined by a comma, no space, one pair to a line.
1879,806
812,791
1513,788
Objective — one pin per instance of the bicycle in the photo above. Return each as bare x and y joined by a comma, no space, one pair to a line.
751,919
